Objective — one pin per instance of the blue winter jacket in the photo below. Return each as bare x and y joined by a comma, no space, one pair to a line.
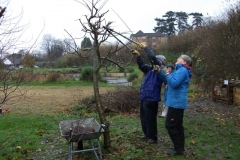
151,85
177,86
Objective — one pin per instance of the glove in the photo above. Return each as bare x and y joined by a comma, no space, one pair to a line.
135,53
142,46
163,68
156,68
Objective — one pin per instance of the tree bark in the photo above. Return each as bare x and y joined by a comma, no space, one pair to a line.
96,63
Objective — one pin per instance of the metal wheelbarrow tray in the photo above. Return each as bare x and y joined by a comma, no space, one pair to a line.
81,130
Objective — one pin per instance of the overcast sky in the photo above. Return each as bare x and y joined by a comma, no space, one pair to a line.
58,15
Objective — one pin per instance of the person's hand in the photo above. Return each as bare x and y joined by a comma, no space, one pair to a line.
164,69
142,46
135,53
156,68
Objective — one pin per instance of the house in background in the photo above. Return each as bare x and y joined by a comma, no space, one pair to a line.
16,59
152,40
11,61
8,63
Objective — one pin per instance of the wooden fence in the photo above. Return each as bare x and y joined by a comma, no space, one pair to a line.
226,91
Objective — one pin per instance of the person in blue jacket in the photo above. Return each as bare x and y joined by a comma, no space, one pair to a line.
150,92
177,100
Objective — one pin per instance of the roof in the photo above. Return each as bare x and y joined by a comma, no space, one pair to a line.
7,61
155,34
15,58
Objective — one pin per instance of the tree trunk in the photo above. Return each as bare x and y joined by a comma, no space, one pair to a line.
107,142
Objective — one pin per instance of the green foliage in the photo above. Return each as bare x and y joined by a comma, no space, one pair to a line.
68,60
171,57
67,83
86,43
130,69
197,19
121,70
87,74
132,76
25,135
166,24
214,47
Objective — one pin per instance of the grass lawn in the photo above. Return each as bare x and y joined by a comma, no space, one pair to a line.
212,133
25,136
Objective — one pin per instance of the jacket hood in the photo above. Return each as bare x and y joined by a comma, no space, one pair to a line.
187,67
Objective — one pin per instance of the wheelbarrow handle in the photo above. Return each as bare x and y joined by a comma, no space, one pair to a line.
103,126
70,133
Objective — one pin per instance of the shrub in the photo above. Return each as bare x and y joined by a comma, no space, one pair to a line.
120,69
53,77
87,74
124,99
132,76
130,69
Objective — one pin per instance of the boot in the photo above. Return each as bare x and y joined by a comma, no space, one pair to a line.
178,145
174,153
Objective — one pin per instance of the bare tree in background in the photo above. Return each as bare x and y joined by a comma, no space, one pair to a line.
95,25
10,34
54,48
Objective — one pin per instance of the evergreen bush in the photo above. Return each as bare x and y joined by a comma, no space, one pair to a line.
132,76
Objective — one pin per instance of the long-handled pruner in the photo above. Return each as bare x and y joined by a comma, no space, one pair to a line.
111,30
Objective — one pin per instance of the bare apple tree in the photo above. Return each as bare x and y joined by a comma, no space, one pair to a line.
95,25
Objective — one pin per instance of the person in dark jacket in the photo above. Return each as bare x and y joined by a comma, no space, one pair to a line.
150,93
170,68
177,99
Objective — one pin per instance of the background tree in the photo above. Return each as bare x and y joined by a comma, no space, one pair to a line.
69,60
170,18
197,19
54,48
167,25
182,21
86,43
68,43
161,26
28,61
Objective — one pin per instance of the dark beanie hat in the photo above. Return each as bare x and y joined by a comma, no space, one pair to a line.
171,66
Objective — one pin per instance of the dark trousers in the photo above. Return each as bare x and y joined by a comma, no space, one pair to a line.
148,116
174,126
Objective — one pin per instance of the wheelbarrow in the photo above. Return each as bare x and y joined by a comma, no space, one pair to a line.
82,130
